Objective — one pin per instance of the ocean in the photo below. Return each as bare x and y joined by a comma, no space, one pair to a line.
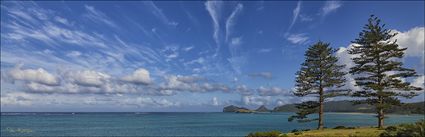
173,124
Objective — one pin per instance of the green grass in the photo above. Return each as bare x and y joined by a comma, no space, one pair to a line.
405,130
358,132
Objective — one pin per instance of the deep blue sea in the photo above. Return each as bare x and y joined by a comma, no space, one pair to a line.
171,124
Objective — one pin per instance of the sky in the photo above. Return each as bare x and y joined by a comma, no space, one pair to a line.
181,56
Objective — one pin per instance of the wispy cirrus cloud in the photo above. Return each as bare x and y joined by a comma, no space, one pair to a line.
214,9
298,39
48,29
273,91
295,14
230,22
237,60
98,16
330,6
265,50
160,14
305,18
266,75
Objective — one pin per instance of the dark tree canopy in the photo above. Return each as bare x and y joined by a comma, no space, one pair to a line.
319,75
378,69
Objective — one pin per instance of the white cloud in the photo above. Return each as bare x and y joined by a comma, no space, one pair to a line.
232,20
200,60
189,79
301,38
140,76
150,102
236,41
74,54
295,13
329,7
63,21
214,9
413,40
256,100
266,75
260,32
16,98
419,82
49,33
273,91
188,48
191,84
98,16
170,52
292,99
88,77
243,90
237,62
215,101
35,75
160,14
305,18
346,59
267,50
40,88
77,82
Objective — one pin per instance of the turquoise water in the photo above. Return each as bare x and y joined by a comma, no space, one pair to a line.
171,124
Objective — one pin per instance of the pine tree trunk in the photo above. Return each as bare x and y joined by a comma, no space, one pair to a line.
381,114
320,127
381,119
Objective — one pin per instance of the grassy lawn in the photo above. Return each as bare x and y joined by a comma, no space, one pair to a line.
406,130
360,132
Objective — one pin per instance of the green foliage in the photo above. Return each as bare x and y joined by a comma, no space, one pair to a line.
304,109
405,130
294,130
298,133
306,130
378,68
319,71
348,106
267,134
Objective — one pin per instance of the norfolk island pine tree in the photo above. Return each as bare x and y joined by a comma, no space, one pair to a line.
378,69
319,75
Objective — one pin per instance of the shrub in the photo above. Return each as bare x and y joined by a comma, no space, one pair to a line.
294,130
306,130
298,133
343,127
339,127
267,134
406,130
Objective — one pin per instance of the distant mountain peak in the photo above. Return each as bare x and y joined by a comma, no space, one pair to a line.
262,108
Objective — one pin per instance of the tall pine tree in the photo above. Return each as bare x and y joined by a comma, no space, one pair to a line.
378,70
320,76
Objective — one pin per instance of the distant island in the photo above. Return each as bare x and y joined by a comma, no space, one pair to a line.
236,109
336,106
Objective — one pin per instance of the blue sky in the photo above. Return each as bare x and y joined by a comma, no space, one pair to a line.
179,56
